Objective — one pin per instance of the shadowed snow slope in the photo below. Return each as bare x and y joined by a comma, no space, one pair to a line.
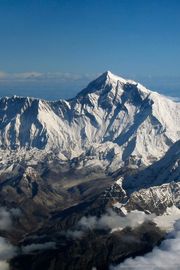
165,170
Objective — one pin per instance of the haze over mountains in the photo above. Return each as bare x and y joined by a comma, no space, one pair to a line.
115,145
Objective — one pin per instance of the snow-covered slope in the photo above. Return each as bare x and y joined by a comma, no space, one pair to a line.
113,120
151,190
165,170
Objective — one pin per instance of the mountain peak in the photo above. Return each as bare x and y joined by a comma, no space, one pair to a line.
105,79
108,81
108,75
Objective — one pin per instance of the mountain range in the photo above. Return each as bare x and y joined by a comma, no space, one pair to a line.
113,121
116,145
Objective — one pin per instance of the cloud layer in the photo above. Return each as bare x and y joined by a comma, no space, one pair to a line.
111,220
45,85
7,251
164,257
34,75
38,246
114,221
4,265
5,219
56,85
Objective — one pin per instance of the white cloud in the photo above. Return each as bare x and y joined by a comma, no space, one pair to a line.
34,76
4,265
7,251
114,221
164,257
5,219
111,220
38,246
74,234
3,75
15,212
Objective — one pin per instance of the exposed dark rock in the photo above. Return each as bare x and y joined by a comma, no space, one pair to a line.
96,249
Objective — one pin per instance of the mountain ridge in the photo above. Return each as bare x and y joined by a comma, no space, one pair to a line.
112,120
114,148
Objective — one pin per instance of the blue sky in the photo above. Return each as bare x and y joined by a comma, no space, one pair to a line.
53,48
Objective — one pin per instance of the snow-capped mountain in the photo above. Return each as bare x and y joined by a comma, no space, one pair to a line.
115,146
113,120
